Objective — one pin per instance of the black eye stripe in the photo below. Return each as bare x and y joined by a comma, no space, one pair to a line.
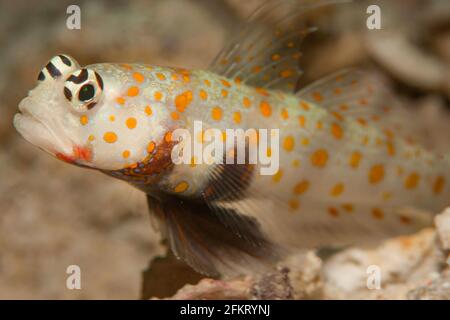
65,60
91,105
99,80
80,78
68,93
41,76
52,70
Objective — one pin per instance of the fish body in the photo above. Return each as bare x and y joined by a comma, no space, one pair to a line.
344,170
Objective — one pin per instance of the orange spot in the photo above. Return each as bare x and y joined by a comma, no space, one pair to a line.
168,137
305,141
151,147
246,101
175,115
389,133
262,91
216,113
224,93
133,91
158,95
288,143
390,148
365,140
138,77
284,114
337,190
347,207
355,158
304,105
126,66
296,55
412,180
337,91
302,121
112,118
91,137
363,102
286,73
276,57
161,76
277,176
203,95
148,110
84,120
183,100
186,77
237,117
333,212
301,187
225,83
376,174
336,131
110,137
405,219
256,69
317,96
319,158
362,121
438,184
296,163
207,82
386,195
265,108
377,213
126,154
293,204
337,115
237,80
181,187
319,125
120,100
131,123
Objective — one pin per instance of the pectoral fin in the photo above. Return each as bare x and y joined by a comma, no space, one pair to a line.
201,236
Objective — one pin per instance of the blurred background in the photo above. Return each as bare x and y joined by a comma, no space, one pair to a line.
53,215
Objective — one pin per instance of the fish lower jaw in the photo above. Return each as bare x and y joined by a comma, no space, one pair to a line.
35,132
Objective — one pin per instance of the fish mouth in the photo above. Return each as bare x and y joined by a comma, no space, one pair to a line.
34,131
38,134
40,129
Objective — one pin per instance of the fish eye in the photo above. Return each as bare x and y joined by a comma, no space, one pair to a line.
83,89
86,93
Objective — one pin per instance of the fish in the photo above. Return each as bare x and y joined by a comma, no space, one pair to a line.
351,168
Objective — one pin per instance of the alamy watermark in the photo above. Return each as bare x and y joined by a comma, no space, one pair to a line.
232,146
73,281
374,277
73,21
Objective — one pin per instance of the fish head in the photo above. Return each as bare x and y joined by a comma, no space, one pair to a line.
94,116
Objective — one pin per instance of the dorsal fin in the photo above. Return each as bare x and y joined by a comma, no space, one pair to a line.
269,57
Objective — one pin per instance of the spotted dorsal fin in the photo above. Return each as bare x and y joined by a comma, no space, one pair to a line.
267,53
